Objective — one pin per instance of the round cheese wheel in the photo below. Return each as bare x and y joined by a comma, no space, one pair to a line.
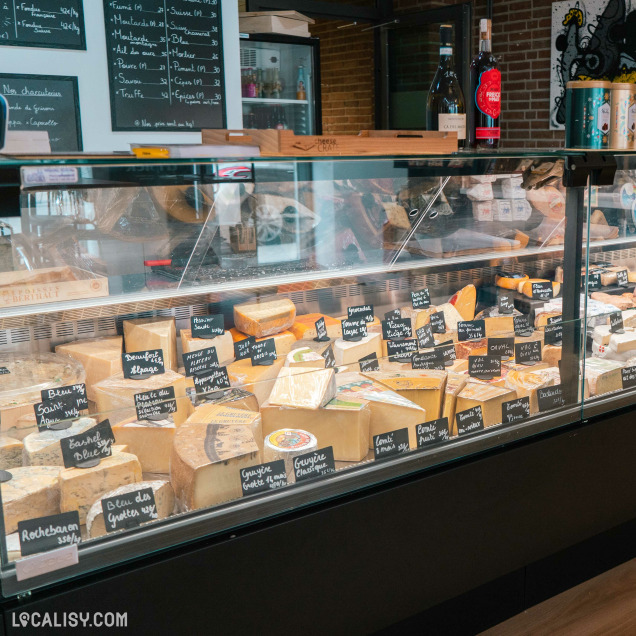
287,443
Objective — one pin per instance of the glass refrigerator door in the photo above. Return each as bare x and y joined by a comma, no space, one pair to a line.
277,89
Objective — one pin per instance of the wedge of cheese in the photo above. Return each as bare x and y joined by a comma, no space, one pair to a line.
143,334
601,335
303,388
258,380
464,301
347,352
551,354
164,502
419,317
615,346
81,487
629,317
526,383
510,280
262,318
603,376
115,400
228,416
389,411
489,397
343,424
471,348
283,341
149,440
305,358
312,345
44,449
236,398
455,382
206,462
451,316
32,492
424,388
541,318
525,288
10,452
304,327
100,357
224,345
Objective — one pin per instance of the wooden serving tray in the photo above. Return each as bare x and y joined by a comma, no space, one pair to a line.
284,143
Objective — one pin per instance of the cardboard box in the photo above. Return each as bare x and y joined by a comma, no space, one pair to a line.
285,22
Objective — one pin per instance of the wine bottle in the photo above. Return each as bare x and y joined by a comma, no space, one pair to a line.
445,105
485,88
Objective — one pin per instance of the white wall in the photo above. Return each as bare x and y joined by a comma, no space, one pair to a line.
91,69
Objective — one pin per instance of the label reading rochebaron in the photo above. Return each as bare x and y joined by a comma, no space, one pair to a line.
453,123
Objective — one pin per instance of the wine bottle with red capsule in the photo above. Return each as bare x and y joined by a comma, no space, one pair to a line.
485,85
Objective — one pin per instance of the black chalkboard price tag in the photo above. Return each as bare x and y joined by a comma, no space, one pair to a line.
550,397
505,304
88,448
401,350
314,464
542,290
263,352
263,477
140,365
354,330
471,330
330,359
425,338
484,367
129,510
48,533
594,281
56,413
75,393
616,322
515,410
321,330
243,348
369,363
438,323
211,382
628,377
432,432
156,404
200,361
396,329
421,299
528,352
622,278
361,312
392,443
522,325
4,371
207,326
428,360
469,421
502,347
394,314
448,352
553,334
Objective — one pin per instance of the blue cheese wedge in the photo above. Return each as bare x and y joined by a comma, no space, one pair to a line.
44,449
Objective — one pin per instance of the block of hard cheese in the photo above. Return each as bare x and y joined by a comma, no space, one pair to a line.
262,318
236,398
43,448
227,415
32,492
489,397
629,317
419,317
603,376
115,400
81,487
451,316
100,357
149,440
455,382
164,502
304,327
525,383
348,352
551,354
471,348
464,301
224,345
389,411
10,452
305,358
303,388
424,388
343,424
206,462
258,380
143,334
283,341
525,288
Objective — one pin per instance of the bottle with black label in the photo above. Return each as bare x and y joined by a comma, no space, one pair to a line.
485,90
445,106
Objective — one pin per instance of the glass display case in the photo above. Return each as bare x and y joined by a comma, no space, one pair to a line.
185,350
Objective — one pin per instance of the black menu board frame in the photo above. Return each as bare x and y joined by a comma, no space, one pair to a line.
72,81
133,120
22,41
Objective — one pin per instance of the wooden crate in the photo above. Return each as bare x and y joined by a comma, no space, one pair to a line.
64,283
284,143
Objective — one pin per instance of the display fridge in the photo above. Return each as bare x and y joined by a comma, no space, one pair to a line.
280,82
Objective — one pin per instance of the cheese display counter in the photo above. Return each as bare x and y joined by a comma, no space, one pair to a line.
187,347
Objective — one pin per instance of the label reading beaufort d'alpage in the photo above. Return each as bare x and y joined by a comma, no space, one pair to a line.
453,123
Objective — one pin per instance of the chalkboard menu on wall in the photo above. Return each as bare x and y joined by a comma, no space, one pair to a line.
57,24
45,102
165,63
